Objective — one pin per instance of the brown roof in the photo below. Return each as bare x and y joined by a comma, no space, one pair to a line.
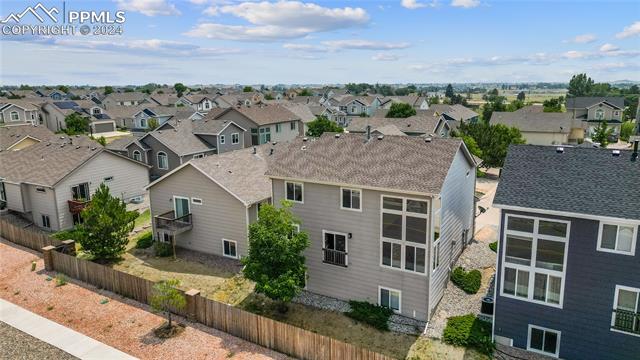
23,103
10,135
414,124
181,139
261,115
400,163
534,119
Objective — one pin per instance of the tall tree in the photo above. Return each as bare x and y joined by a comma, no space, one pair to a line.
247,89
275,260
448,92
521,96
492,140
553,104
321,125
601,134
580,85
400,110
180,88
108,90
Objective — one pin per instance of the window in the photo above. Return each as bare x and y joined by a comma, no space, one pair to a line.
229,248
543,341
196,201
80,192
33,116
435,247
626,310
198,156
235,138
254,137
222,139
165,238
350,199
3,192
617,238
143,123
390,298
534,259
278,128
334,248
293,125
265,135
616,113
163,163
46,223
403,233
599,114
137,155
108,178
15,116
294,191
40,190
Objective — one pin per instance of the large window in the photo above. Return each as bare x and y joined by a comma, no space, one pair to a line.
265,135
599,114
390,298
334,248
617,238
404,233
626,310
235,138
534,259
46,223
229,248
350,199
163,162
544,341
294,191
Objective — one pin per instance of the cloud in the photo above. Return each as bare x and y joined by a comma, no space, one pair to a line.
304,47
631,30
148,7
356,44
609,48
211,11
416,4
572,54
467,4
385,57
583,39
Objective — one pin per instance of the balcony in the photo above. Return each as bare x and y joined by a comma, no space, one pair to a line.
335,257
627,321
76,206
169,223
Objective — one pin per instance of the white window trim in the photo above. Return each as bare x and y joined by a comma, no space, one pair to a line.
346,245
174,203
399,311
532,269
11,116
403,243
158,160
350,209
108,179
237,135
529,348
297,226
196,201
42,217
198,156
134,155
634,236
615,306
236,245
222,139
301,189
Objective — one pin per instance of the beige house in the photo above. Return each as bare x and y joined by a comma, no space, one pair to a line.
539,127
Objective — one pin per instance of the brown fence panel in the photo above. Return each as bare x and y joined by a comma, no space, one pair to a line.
26,237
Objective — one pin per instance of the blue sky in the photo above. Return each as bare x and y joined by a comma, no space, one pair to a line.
390,41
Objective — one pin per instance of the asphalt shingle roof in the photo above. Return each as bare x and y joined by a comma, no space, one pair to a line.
584,102
579,180
413,124
10,135
533,119
181,139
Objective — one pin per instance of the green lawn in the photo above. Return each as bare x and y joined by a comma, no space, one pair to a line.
143,219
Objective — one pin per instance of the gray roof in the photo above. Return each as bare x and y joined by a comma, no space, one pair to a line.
455,112
399,163
534,119
303,111
121,144
584,102
10,135
389,129
180,139
414,124
22,103
579,180
212,126
261,115
127,96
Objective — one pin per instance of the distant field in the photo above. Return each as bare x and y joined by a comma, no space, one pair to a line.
537,96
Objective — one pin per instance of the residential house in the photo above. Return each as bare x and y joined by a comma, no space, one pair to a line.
387,216
416,101
54,94
163,99
417,125
591,111
84,94
56,112
19,112
23,93
124,99
332,113
49,183
355,106
200,103
207,204
455,114
18,137
567,282
538,127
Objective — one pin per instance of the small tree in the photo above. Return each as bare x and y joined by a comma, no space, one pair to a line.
321,125
601,134
76,124
106,224
400,110
152,124
305,92
275,260
102,141
180,88
521,96
626,130
108,90
167,297
247,89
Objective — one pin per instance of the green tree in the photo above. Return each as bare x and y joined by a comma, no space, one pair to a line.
275,260
515,105
76,124
106,224
626,130
448,92
247,89
180,88
108,90
321,125
167,297
102,141
25,87
495,103
305,92
63,88
434,100
521,96
472,146
268,96
580,85
492,140
152,124
601,134
553,104
400,110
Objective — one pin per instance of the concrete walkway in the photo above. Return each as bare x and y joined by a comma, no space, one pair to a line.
63,338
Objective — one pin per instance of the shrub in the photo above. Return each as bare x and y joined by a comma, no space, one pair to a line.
494,246
469,281
374,315
66,235
469,331
61,280
144,240
163,249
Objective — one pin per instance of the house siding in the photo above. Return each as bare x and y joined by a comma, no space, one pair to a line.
24,115
242,121
173,160
43,204
14,197
543,138
285,133
585,318
133,147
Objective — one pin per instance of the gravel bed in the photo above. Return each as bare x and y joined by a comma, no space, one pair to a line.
14,344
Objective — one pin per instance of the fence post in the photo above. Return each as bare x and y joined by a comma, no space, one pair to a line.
69,247
48,257
191,303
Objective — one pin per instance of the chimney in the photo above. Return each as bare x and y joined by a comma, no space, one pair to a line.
634,155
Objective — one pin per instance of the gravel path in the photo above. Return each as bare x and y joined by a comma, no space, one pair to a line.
14,344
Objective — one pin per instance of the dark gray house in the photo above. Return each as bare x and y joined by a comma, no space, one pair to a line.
568,269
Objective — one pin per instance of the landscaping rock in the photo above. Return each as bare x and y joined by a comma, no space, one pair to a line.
322,302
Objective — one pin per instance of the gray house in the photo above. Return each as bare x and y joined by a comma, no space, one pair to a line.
387,216
567,282
594,110
19,112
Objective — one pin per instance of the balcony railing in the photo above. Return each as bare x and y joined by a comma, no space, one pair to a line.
335,257
169,222
627,321
76,206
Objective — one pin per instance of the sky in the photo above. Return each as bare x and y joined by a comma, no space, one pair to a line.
329,42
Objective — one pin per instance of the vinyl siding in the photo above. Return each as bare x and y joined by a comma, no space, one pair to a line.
243,121
43,204
228,146
133,147
156,147
220,216
25,116
285,133
585,318
14,197
545,138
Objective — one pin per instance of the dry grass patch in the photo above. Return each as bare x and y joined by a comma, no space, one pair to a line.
433,349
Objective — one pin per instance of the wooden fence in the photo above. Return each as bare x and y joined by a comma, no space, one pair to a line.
26,237
284,338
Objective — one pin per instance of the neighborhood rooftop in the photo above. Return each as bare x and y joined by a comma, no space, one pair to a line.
534,119
574,180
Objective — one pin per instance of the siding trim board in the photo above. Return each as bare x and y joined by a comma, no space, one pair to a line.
357,186
566,214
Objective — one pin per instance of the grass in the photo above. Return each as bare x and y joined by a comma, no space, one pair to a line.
433,349
469,331
494,246
143,219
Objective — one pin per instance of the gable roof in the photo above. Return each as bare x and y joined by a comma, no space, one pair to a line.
416,124
399,163
10,135
127,96
213,127
23,104
181,139
579,180
584,102
261,115
534,119
455,112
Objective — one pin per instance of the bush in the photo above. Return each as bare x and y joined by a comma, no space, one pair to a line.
144,241
469,331
494,246
469,281
66,235
374,315
163,249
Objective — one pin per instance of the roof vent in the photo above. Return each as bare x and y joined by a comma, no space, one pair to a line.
428,139
77,147
255,150
560,149
380,137
305,138
337,136
93,148
270,151
304,147
274,143
61,145
48,144
615,153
